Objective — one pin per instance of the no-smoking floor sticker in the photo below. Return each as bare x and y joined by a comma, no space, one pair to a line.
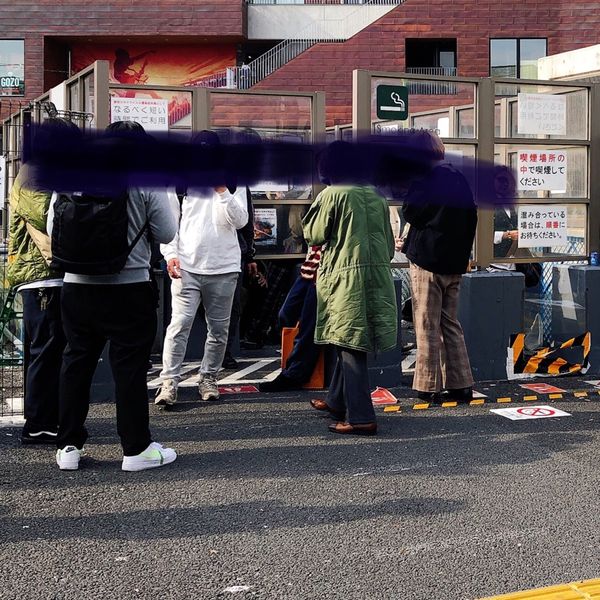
530,412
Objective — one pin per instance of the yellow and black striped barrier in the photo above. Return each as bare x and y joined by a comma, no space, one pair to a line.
551,361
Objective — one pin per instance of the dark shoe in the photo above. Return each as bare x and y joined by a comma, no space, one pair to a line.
460,396
428,396
38,437
362,429
323,406
229,363
281,383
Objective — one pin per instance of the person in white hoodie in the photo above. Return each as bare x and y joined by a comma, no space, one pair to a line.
204,262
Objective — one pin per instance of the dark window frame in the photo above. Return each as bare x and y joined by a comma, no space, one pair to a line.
518,58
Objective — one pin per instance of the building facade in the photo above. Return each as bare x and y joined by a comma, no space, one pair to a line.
281,44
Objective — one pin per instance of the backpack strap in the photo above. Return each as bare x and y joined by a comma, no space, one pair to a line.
137,238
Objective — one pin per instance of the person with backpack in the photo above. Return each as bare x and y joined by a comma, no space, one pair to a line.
100,238
204,262
29,258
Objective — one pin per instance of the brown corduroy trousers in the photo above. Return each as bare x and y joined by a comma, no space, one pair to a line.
442,359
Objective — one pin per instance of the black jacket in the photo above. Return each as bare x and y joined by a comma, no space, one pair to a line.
246,233
443,219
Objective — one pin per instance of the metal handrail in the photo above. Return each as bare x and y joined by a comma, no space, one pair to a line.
322,31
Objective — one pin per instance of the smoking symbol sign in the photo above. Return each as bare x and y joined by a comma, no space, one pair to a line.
392,102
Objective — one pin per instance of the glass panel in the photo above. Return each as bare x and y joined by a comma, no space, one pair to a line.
12,68
429,104
530,50
88,99
278,229
466,122
503,58
547,108
272,117
74,97
155,110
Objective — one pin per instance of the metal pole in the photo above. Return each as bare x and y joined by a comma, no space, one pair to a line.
484,238
361,103
593,230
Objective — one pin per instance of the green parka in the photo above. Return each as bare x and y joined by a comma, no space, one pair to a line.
27,205
355,290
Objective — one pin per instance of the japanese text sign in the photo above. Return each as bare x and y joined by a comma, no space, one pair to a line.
151,113
542,225
542,170
542,114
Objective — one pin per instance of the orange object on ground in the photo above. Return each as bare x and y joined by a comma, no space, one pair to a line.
317,380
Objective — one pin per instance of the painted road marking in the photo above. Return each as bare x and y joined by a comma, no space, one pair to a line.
530,412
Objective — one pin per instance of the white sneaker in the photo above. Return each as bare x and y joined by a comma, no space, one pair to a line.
67,459
208,388
167,394
153,456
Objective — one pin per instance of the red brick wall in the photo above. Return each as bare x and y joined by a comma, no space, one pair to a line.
380,46
33,20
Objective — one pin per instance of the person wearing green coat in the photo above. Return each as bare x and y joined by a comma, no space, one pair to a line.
28,270
356,300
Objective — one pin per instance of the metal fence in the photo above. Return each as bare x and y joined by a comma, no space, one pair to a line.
11,345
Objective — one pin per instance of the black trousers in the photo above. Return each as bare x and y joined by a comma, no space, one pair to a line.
125,317
349,389
300,307
43,350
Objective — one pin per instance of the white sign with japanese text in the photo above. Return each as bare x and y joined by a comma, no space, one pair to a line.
542,225
542,170
542,114
151,113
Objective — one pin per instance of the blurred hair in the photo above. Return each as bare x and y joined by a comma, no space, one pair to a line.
338,163
428,142
125,129
206,138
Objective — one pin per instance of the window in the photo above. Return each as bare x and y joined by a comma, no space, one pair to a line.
510,57
12,68
431,56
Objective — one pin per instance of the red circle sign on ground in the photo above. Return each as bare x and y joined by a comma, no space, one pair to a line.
536,411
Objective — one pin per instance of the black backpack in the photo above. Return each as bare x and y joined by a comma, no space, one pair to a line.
89,234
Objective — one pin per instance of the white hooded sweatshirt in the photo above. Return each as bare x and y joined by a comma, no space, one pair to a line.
207,242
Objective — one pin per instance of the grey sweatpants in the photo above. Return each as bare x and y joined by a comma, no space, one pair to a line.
215,292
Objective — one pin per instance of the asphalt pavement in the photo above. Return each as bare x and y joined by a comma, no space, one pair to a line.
263,502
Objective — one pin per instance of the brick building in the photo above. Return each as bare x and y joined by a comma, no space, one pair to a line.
186,42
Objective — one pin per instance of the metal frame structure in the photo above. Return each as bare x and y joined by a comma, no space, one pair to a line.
485,142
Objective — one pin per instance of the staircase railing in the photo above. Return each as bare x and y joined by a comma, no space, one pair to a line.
324,30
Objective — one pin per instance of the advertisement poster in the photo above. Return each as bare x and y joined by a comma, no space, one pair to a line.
542,170
542,114
265,226
150,113
155,64
542,225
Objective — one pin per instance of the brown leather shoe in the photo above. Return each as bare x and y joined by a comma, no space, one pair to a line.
323,406
362,429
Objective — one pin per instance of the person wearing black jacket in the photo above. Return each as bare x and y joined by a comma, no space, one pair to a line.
443,218
249,266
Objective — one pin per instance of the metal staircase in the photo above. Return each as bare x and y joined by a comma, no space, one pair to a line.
322,31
